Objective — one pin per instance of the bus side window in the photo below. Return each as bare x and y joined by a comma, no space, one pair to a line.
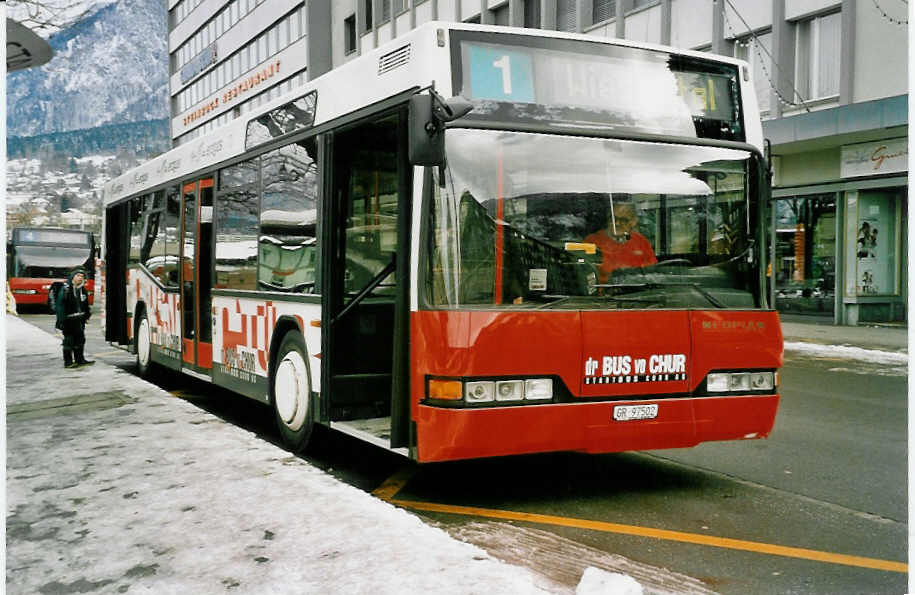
236,221
287,243
172,216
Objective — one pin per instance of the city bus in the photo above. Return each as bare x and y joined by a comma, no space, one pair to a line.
40,258
404,250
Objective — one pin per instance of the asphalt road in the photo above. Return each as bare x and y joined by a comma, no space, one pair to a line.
831,479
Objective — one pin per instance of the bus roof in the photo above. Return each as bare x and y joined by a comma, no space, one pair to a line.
367,80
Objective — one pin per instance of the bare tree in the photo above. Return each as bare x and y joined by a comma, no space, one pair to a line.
47,16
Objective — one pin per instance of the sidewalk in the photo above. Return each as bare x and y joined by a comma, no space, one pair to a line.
809,329
113,486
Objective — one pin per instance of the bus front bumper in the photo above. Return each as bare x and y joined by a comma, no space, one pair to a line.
448,434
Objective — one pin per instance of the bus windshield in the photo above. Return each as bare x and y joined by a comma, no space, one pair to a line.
526,220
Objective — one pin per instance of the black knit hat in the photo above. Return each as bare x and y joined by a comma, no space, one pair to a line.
74,272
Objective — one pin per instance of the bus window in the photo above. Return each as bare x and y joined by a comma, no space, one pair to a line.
172,246
287,244
514,222
236,226
371,210
137,207
152,250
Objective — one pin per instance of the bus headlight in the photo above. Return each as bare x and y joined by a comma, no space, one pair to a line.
509,390
735,382
538,389
493,391
479,392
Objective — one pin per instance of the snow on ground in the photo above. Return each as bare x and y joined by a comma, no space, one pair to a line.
156,495
860,360
848,352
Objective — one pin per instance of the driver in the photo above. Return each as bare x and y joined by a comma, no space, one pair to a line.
620,245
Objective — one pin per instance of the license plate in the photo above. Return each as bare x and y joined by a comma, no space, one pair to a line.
632,412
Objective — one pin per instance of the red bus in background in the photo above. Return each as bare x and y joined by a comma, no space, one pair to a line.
40,258
434,276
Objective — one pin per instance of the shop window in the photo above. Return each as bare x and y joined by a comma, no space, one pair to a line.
871,245
805,254
818,53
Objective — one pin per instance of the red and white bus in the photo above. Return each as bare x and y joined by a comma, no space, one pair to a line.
422,273
40,258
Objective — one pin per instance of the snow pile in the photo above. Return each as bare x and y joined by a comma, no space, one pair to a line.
848,352
600,582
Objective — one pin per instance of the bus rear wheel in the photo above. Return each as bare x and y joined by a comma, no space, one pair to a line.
290,393
142,346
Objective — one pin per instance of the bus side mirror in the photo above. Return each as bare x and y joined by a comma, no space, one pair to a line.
428,115
427,134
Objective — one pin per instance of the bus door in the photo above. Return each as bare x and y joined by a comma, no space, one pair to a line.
197,275
366,280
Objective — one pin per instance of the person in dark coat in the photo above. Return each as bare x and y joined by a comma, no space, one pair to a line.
72,307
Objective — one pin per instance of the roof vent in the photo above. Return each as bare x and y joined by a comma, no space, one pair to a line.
395,59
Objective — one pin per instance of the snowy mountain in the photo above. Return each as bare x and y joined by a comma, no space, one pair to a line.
109,68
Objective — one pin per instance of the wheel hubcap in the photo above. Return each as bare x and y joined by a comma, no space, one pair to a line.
143,342
291,390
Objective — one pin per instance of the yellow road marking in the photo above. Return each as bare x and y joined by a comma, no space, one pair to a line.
392,485
387,490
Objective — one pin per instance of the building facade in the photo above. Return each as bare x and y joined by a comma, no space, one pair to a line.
831,79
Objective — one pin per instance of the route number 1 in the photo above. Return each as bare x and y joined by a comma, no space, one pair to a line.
504,64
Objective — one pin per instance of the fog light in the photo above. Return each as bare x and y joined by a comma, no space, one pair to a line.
479,392
538,389
509,390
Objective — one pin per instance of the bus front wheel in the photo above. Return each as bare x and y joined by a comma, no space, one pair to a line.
290,389
142,345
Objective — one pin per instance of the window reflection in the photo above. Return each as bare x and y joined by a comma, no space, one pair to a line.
287,244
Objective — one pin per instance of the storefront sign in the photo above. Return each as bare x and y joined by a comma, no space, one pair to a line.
871,159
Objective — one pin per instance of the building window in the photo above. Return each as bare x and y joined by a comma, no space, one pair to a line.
642,3
757,51
532,14
385,11
603,10
349,34
566,15
367,11
500,16
818,54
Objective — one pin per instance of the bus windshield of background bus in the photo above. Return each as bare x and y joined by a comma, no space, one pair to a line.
544,221
553,82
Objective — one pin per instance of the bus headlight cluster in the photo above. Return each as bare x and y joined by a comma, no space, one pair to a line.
734,382
492,391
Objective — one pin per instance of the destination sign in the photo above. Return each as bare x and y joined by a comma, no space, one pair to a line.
602,85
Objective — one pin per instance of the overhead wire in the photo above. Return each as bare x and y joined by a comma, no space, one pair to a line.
757,45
